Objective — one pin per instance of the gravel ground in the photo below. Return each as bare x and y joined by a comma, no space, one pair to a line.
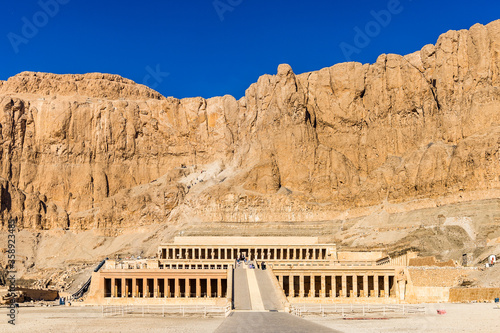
89,319
474,317
482,317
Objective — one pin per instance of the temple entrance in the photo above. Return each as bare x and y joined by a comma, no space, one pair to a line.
244,254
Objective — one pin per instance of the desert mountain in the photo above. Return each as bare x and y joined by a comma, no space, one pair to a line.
353,142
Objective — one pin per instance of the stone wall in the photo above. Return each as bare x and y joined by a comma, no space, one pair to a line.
39,294
473,294
427,294
436,276
431,261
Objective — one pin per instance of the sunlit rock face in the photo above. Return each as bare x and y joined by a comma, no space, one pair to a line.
98,151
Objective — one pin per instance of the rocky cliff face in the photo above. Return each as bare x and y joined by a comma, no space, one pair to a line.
97,151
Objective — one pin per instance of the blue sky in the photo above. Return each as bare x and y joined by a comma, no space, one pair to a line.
208,48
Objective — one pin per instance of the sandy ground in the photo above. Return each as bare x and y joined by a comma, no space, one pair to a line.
89,319
482,317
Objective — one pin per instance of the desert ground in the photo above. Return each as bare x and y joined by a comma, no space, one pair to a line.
477,317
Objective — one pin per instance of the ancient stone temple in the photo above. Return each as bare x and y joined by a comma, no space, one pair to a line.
200,270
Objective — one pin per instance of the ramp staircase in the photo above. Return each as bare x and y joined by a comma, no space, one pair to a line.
86,285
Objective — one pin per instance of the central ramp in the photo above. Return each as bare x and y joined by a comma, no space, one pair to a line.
254,290
268,291
241,298
258,307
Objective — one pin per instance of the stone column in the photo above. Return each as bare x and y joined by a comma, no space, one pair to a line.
144,287
323,286
134,287
300,254
219,287
167,288
366,292
301,285
291,290
386,285
188,288
209,288
113,287
198,287
344,285
334,286
355,285
155,291
312,286
124,288
375,285
177,288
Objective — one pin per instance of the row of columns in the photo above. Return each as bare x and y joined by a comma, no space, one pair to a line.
165,287
264,253
338,286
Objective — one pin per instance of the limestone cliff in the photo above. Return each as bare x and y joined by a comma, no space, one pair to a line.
97,151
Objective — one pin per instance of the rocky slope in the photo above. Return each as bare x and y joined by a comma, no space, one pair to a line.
97,151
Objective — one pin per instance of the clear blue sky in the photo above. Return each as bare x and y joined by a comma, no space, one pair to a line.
206,56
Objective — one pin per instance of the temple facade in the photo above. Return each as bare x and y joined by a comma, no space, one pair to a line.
200,270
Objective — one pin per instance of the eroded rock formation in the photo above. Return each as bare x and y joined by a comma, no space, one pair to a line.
99,151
